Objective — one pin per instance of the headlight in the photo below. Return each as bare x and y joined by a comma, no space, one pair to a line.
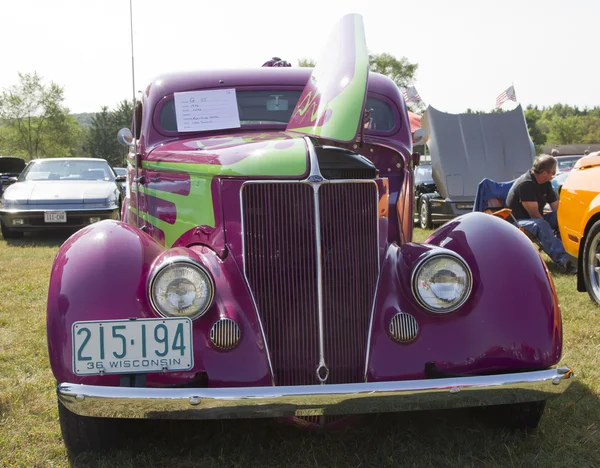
181,288
442,283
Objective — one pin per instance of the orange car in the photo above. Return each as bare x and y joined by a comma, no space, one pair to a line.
579,221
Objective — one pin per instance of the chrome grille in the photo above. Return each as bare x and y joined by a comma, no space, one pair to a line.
280,264
349,251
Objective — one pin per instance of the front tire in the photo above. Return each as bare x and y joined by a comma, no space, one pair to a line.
425,214
591,262
516,415
87,434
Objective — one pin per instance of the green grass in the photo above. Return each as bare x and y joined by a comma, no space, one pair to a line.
569,434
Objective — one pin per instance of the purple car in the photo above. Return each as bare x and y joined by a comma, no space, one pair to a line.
264,267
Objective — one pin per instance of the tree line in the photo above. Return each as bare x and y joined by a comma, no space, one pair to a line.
34,123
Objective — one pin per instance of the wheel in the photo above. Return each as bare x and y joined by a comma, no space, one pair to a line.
516,415
9,233
87,434
591,262
425,215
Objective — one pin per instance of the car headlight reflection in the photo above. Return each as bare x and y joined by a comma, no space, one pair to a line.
442,283
181,289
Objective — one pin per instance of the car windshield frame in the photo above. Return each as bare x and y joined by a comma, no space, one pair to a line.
64,170
394,121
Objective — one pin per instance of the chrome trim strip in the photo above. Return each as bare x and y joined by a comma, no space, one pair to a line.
312,400
440,252
371,326
315,179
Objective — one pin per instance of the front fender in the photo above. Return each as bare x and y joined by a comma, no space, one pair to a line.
511,321
101,273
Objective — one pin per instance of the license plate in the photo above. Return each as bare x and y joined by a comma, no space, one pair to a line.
55,217
131,346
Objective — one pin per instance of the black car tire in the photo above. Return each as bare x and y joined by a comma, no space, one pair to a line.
9,233
591,262
88,434
425,214
517,415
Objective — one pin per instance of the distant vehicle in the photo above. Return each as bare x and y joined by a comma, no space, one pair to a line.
10,168
122,172
424,184
566,163
60,193
557,182
579,222
465,149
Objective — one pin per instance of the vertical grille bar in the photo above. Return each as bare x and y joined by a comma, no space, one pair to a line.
350,268
279,249
280,265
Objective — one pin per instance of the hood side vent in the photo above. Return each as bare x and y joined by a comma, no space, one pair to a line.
342,164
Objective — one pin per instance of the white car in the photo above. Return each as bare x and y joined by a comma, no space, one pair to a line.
60,193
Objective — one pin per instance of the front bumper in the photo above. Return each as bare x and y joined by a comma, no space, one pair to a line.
312,400
33,220
443,211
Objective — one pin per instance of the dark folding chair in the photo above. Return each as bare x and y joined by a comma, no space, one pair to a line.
491,199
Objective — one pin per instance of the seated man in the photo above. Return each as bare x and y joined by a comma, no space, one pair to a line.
527,198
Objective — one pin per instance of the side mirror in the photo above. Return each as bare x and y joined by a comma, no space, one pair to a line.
125,137
420,136
121,178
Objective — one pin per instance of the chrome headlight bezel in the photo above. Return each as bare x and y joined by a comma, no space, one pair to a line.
433,256
175,262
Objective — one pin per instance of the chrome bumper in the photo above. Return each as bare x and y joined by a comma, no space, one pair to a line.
312,400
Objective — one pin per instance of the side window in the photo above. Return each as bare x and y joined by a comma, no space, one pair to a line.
381,118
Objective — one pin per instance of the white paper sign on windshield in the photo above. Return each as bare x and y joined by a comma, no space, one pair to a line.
198,111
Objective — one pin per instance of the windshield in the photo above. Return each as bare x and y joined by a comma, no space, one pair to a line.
269,107
566,163
423,174
67,170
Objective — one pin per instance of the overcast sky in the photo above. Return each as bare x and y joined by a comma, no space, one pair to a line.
468,51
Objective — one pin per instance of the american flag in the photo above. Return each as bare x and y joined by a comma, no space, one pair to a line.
411,94
507,95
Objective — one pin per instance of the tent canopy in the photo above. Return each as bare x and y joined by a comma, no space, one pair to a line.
414,120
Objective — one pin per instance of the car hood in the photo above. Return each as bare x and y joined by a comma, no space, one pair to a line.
11,165
466,148
46,192
244,154
332,102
